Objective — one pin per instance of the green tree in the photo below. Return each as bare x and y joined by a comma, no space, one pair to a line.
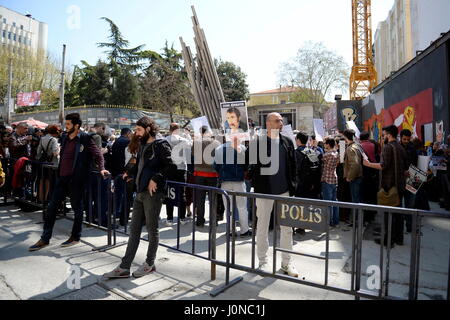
119,53
32,71
232,80
95,83
317,70
126,88
164,84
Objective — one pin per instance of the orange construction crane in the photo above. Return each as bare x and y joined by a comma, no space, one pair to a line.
364,76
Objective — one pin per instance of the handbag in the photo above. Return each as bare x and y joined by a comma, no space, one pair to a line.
390,198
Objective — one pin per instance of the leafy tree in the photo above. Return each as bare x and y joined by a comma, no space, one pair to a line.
119,53
164,84
232,80
317,70
32,71
126,90
94,83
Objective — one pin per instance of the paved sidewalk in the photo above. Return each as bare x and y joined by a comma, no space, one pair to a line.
44,274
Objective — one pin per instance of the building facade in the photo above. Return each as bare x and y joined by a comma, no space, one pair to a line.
410,28
299,115
20,32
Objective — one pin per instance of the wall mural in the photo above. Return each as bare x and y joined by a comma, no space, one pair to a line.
348,111
411,114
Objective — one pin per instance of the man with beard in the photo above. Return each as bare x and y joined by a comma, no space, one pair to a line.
393,167
77,151
151,172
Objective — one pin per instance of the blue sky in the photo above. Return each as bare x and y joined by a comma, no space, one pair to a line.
257,35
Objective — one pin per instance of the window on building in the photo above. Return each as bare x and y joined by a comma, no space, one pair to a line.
21,27
9,35
20,39
15,37
14,24
4,20
4,33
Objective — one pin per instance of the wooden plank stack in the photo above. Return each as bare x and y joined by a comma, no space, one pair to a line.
202,74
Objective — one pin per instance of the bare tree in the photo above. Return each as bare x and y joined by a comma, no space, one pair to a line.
317,71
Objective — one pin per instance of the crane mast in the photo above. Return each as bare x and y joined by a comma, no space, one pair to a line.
364,76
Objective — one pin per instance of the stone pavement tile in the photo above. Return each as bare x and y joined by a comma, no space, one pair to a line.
93,292
6,293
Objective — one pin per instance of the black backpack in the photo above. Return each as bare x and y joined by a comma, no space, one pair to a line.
45,157
311,163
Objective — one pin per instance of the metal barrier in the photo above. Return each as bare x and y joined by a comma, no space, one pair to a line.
35,198
357,237
325,207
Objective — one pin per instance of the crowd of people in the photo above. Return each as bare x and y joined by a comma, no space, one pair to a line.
142,161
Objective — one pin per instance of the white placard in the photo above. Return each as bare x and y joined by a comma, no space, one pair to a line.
415,179
423,163
352,125
428,128
342,150
235,120
288,132
198,123
319,131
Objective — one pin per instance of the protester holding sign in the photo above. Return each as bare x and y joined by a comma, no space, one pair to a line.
412,160
393,166
230,164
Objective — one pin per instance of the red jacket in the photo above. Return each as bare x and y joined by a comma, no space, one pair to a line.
17,179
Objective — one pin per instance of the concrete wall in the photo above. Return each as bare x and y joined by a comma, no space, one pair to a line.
429,18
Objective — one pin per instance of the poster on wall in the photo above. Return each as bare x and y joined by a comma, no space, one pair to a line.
235,120
348,111
428,129
440,131
29,99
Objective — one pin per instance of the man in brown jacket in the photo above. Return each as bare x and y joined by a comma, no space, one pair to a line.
353,162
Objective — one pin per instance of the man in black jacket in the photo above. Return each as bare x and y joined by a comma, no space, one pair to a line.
151,172
117,171
77,151
277,177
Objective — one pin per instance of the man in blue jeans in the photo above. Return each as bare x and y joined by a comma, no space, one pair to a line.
329,177
78,150
353,165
